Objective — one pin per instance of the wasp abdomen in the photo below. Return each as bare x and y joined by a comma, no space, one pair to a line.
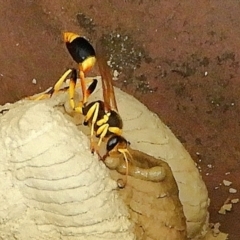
80,49
115,120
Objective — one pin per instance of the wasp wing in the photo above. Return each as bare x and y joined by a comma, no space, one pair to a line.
107,82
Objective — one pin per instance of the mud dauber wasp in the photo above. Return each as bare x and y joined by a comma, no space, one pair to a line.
102,116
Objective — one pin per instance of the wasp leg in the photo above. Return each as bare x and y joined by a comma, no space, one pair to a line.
87,93
102,132
104,128
59,83
103,120
56,88
71,90
41,96
84,67
83,85
115,130
92,113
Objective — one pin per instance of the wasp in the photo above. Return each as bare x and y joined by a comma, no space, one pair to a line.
101,116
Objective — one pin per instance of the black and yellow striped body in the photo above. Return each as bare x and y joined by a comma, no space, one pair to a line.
112,118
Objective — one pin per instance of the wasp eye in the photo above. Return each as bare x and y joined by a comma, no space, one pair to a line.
112,142
117,142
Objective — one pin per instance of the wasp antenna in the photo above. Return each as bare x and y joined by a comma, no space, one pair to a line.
126,160
130,155
124,151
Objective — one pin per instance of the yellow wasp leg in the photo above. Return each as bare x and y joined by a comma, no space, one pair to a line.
92,112
85,66
54,89
83,85
78,109
72,86
59,83
115,130
101,132
40,97
71,93
71,89
103,120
